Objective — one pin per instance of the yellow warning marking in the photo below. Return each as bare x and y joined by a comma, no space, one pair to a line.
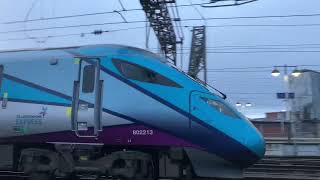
77,60
69,112
5,95
84,158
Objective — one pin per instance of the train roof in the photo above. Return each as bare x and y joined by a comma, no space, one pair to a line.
75,49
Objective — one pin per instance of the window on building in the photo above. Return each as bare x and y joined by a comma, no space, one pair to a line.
139,73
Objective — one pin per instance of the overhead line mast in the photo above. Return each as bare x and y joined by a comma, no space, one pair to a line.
197,60
198,52
158,15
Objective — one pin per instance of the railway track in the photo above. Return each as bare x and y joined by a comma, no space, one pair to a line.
275,168
302,168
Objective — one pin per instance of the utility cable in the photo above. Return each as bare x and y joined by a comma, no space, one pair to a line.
95,32
144,21
193,19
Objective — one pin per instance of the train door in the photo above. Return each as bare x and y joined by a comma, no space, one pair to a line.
3,96
1,79
87,98
1,75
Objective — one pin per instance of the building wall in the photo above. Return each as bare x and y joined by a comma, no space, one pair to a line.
306,87
315,95
302,129
275,116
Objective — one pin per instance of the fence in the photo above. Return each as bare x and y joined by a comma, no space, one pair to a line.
289,129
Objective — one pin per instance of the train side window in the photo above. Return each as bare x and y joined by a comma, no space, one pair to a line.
139,73
88,80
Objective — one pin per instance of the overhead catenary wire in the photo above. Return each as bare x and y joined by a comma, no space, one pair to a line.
81,34
176,19
295,46
177,25
262,25
122,6
250,93
59,27
263,45
236,3
199,13
256,52
143,21
69,16
189,19
90,14
213,47
258,48
258,67
179,18
182,5
257,17
247,71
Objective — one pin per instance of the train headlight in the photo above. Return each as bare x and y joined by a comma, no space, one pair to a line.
221,107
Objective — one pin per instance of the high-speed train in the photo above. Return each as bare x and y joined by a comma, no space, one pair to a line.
117,111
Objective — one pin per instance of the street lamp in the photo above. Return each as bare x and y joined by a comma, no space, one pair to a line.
242,107
248,104
239,104
296,73
275,72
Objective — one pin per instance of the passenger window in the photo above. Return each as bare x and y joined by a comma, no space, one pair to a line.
139,73
88,80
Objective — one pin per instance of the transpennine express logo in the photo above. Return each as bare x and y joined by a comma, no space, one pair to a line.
25,122
32,119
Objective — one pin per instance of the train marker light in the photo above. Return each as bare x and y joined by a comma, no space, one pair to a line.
77,60
5,100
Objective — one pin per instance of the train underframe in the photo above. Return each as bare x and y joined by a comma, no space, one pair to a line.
72,161
83,161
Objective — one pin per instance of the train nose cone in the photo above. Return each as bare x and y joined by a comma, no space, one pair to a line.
255,142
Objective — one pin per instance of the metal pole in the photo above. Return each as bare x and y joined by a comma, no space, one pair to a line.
147,34
288,110
204,55
181,55
286,86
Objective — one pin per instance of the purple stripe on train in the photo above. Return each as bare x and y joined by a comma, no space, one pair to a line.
114,135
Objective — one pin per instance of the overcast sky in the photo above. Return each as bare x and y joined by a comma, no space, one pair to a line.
252,85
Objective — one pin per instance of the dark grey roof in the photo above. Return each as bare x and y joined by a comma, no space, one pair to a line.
309,70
